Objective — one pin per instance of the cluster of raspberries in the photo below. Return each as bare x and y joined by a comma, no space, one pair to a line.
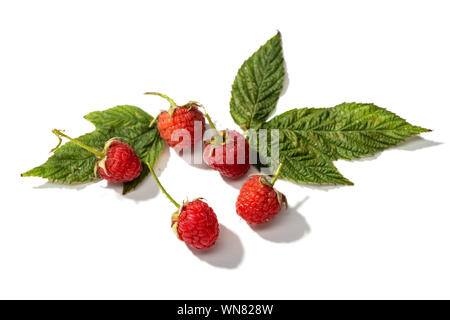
195,222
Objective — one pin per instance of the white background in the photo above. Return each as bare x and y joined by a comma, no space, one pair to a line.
386,237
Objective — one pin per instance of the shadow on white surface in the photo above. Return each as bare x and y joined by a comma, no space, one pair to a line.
287,226
416,143
325,188
286,80
238,183
410,144
190,157
53,185
228,252
235,183
148,188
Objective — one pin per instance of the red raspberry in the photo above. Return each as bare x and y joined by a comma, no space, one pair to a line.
117,162
182,122
258,201
121,162
196,225
230,158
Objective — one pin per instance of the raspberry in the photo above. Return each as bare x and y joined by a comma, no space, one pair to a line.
117,162
195,222
177,126
230,158
182,122
121,163
258,202
196,225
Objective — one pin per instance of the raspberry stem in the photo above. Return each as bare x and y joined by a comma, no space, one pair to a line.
211,124
173,105
161,187
59,134
277,173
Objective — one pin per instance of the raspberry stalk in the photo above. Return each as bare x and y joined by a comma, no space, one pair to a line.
277,173
176,204
173,105
59,134
217,135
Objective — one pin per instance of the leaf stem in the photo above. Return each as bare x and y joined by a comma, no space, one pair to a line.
59,134
161,187
277,173
173,105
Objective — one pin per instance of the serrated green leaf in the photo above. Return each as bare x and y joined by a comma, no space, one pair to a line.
131,124
72,164
299,166
152,154
347,131
311,169
120,117
258,85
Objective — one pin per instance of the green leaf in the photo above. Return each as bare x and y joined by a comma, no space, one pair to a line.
72,164
347,131
299,166
120,117
131,124
309,140
258,85
311,169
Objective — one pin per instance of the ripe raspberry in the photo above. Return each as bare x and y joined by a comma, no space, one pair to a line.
182,118
117,162
196,225
177,126
195,222
121,163
231,157
258,202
